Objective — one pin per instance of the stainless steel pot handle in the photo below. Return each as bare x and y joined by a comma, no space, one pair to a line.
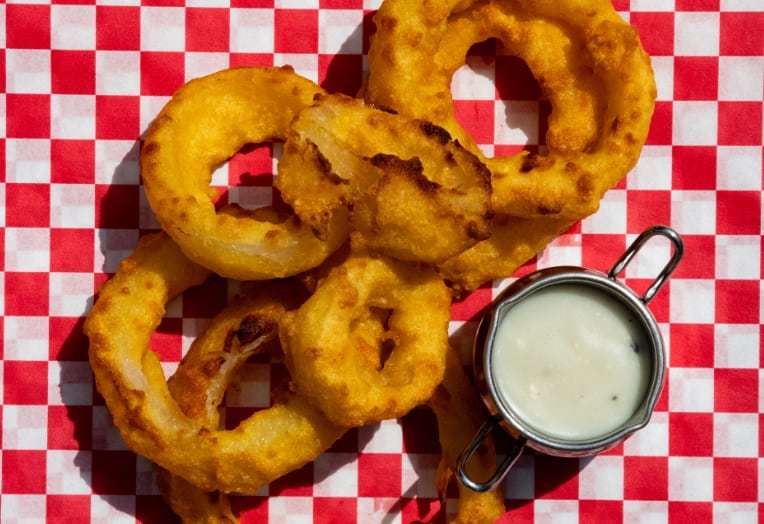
461,465
669,268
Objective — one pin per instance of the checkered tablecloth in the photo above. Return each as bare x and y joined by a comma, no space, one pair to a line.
80,83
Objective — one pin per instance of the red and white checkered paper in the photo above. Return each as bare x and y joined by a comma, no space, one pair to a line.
80,83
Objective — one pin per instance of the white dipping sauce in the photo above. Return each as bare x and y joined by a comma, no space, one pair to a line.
571,361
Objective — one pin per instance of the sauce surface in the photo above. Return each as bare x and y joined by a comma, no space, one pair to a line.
571,361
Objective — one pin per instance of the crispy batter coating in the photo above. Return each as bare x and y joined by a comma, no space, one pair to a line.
206,122
588,61
327,341
415,194
129,376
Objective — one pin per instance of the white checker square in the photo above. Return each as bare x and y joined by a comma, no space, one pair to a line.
253,387
520,484
118,73
208,3
691,479
653,170
611,216
72,116
761,471
340,31
516,122
420,475
105,435
2,115
26,338
68,472
290,510
735,513
693,212
475,81
692,301
601,478
251,197
145,477
2,208
22,509
304,64
175,308
27,160
112,509
378,509
220,177
335,475
163,29
488,150
69,383
741,77
736,346
117,162
2,24
652,440
691,390
203,64
741,5
738,167
27,249
651,5
72,205
737,257
695,123
555,511
663,68
252,31
150,106
385,437
736,435
296,4
72,27
372,4
562,251
27,71
71,294
112,246
25,427
650,259
696,33
645,512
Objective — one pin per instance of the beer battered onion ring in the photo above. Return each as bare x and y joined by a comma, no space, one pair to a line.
265,446
207,121
415,194
325,361
587,60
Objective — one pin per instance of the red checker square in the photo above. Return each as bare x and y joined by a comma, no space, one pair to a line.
369,28
67,509
420,509
161,73
419,426
472,305
741,33
656,31
647,208
738,212
341,4
207,29
690,511
340,73
163,3
117,117
659,305
514,79
113,472
693,167
67,341
698,258
736,390
206,301
697,5
118,28
645,478
735,479
297,483
601,251
251,60
251,166
737,301
70,427
661,125
740,123
27,116
379,475
28,469
151,509
71,250
251,510
72,161
691,434
517,512
27,205
476,117
296,30
117,206
600,511
26,294
347,443
692,345
696,77
556,478
2,71
25,382
73,72
27,27
167,340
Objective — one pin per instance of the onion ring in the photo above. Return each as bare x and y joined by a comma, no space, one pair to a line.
324,340
205,123
415,193
128,375
588,61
